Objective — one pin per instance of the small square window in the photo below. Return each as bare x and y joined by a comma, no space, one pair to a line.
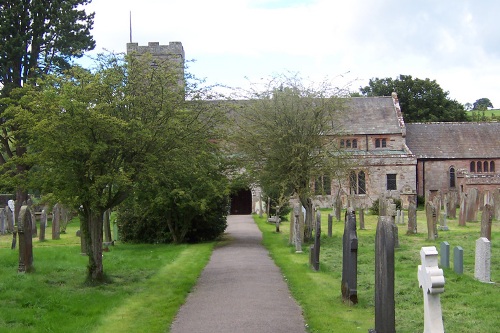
342,143
377,143
354,143
384,143
348,143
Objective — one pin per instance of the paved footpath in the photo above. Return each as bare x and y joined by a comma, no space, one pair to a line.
240,290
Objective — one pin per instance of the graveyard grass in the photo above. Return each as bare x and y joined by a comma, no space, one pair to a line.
147,285
468,306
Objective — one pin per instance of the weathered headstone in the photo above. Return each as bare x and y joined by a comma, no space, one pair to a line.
385,314
496,204
431,280
3,222
362,219
56,219
486,220
350,259
338,207
430,213
451,207
445,254
330,225
482,267
398,216
443,226
317,241
34,230
297,230
43,225
11,212
462,215
24,230
472,204
412,215
458,260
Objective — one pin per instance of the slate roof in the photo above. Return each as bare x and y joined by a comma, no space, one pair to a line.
370,115
454,140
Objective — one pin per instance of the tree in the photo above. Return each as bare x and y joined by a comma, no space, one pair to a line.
93,134
284,134
482,104
36,37
420,100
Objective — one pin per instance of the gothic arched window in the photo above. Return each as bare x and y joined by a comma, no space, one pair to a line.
452,177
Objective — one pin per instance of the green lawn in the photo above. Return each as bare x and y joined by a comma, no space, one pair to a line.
148,283
467,304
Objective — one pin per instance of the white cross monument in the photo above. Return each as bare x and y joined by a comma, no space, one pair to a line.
431,280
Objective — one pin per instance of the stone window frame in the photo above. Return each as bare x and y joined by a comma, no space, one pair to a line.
357,182
452,177
391,181
323,185
348,143
380,142
482,166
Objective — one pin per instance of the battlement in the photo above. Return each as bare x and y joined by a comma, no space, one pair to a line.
173,49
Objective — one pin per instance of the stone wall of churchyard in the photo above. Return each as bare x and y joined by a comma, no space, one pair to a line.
434,175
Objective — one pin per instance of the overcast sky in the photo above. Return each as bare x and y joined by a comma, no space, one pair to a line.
455,42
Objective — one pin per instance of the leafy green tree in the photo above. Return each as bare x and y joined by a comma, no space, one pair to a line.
284,135
93,134
36,37
482,104
420,100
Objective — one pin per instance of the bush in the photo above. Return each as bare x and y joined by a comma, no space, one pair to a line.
375,208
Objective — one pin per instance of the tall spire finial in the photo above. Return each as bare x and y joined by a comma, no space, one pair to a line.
130,19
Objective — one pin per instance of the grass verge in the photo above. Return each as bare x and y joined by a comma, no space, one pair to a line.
467,304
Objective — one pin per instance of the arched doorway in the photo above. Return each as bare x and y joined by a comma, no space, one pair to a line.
241,202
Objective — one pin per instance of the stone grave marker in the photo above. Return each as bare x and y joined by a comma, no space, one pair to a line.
443,226
462,215
451,207
430,213
330,224
338,207
445,254
3,222
458,260
34,230
398,216
350,259
482,268
496,204
486,220
11,212
412,216
385,314
43,225
472,204
317,242
56,220
24,229
361,219
297,230
431,280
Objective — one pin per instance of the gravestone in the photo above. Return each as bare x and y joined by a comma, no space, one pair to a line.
317,242
412,216
24,230
472,204
43,225
462,216
297,230
338,207
11,212
431,280
482,267
430,214
445,254
402,217
385,315
34,230
56,219
443,222
350,259
330,225
496,204
362,219
398,216
486,220
451,207
291,237
3,222
458,260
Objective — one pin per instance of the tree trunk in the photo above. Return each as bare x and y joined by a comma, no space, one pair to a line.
308,223
92,229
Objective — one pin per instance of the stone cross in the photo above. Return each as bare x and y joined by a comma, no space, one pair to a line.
24,229
482,266
385,314
431,280
350,259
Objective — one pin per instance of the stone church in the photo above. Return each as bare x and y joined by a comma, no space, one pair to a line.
398,159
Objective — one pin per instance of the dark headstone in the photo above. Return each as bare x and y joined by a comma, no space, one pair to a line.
317,242
43,225
462,215
362,219
330,224
24,230
338,207
385,321
56,220
430,213
350,259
